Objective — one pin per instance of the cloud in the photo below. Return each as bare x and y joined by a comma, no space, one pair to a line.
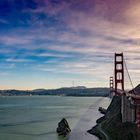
73,37
6,67
19,60
104,32
53,55
3,21
14,40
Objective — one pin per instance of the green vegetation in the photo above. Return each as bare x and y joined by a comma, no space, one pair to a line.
111,127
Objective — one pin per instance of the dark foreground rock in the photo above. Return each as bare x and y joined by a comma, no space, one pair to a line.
63,127
102,110
110,126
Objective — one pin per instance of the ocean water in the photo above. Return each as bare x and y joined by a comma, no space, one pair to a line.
36,117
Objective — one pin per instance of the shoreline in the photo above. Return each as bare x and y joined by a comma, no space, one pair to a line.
110,126
87,120
98,132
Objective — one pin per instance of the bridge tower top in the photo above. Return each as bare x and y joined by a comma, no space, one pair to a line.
111,86
119,72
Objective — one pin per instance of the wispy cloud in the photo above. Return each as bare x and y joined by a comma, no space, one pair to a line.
15,40
17,60
72,37
54,55
3,21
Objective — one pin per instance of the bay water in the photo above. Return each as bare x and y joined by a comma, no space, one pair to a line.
36,117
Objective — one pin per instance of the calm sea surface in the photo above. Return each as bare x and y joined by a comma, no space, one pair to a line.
36,117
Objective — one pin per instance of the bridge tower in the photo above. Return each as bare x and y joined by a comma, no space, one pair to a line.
119,83
119,72
111,87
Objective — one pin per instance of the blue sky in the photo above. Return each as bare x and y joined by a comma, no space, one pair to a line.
51,43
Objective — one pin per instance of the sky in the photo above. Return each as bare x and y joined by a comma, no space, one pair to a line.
58,43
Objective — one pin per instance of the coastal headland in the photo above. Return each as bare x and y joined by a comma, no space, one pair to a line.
110,126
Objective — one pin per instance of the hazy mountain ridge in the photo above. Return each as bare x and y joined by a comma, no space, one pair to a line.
65,91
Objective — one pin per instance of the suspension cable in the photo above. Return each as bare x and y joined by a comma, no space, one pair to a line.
128,74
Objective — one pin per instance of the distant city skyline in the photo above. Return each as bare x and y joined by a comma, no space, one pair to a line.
51,43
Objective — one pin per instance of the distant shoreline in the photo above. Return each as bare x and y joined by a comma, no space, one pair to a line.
82,92
48,95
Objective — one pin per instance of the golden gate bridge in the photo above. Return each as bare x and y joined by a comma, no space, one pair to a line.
130,100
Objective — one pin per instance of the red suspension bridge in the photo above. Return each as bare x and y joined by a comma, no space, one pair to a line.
130,100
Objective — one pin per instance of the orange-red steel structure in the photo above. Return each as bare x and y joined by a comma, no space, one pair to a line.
119,72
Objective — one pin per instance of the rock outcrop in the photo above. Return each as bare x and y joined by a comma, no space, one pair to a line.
63,127
110,126
102,110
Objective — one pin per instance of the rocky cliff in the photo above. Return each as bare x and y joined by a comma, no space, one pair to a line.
110,126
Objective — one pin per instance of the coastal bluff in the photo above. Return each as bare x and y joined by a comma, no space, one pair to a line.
110,126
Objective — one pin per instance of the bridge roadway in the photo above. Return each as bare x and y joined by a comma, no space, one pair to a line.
130,107
86,122
127,94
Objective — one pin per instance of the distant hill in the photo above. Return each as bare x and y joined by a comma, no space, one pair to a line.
71,91
38,90
77,87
